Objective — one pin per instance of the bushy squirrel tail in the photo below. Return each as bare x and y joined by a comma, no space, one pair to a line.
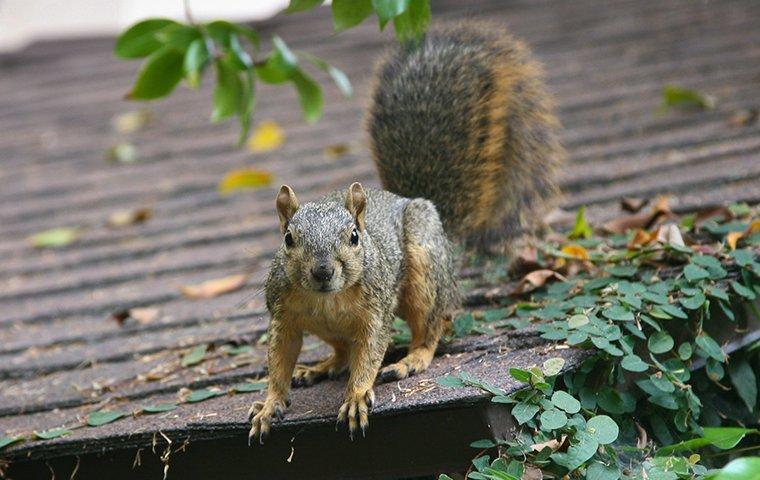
463,119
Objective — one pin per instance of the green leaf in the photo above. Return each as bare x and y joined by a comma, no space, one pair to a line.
524,412
743,257
202,394
618,312
140,39
600,471
578,453
742,291
577,321
603,428
96,419
247,387
684,351
745,382
280,65
553,366
387,9
443,476
463,325
349,13
485,443
301,5
340,78
196,58
194,356
634,363
5,441
52,433
178,36
158,76
240,58
450,381
553,419
724,438
660,342
710,347
413,23
56,237
624,271
674,311
694,302
566,402
158,408
745,468
673,96
310,95
652,297
581,228
520,375
662,383
228,93
694,273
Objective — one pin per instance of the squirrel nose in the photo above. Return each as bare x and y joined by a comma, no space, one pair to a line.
322,272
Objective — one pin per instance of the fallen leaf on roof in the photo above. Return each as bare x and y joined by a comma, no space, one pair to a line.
142,316
732,238
194,356
336,150
744,117
158,408
5,441
713,212
266,137
247,178
673,96
55,237
130,122
526,261
125,218
670,234
633,205
214,288
643,220
753,227
122,153
52,433
100,417
641,238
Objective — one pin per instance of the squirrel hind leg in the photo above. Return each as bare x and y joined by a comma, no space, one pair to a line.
427,291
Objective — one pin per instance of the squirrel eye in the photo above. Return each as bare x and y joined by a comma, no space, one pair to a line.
354,237
288,239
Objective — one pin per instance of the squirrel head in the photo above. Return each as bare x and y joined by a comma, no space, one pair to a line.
322,243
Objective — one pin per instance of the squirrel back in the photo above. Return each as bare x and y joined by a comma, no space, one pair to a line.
463,120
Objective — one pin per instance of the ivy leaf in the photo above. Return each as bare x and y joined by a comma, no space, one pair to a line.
553,419
660,342
685,351
694,273
52,433
566,402
603,428
158,76
634,363
140,39
194,356
158,408
301,5
96,419
742,291
202,394
625,271
5,441
745,382
349,13
618,312
524,412
710,347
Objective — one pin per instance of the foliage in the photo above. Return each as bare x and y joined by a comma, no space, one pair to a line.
653,389
173,51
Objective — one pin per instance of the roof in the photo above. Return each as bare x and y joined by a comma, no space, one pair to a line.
62,354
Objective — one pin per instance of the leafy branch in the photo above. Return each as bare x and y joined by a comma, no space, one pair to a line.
173,51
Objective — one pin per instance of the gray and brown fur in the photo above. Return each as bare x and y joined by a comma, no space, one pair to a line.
463,119
401,265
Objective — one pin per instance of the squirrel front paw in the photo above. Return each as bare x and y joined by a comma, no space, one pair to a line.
260,415
355,412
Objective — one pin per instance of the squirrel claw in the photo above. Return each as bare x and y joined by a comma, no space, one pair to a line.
355,413
260,416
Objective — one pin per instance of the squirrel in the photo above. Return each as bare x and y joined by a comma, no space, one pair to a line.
464,139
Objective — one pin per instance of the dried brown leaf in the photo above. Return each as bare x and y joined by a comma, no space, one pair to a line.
744,117
144,315
669,234
525,261
537,279
633,205
645,220
337,150
125,218
214,288
720,212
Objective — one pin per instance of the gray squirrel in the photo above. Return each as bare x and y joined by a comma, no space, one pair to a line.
465,142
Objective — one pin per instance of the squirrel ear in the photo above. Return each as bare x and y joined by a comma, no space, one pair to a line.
287,204
356,201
